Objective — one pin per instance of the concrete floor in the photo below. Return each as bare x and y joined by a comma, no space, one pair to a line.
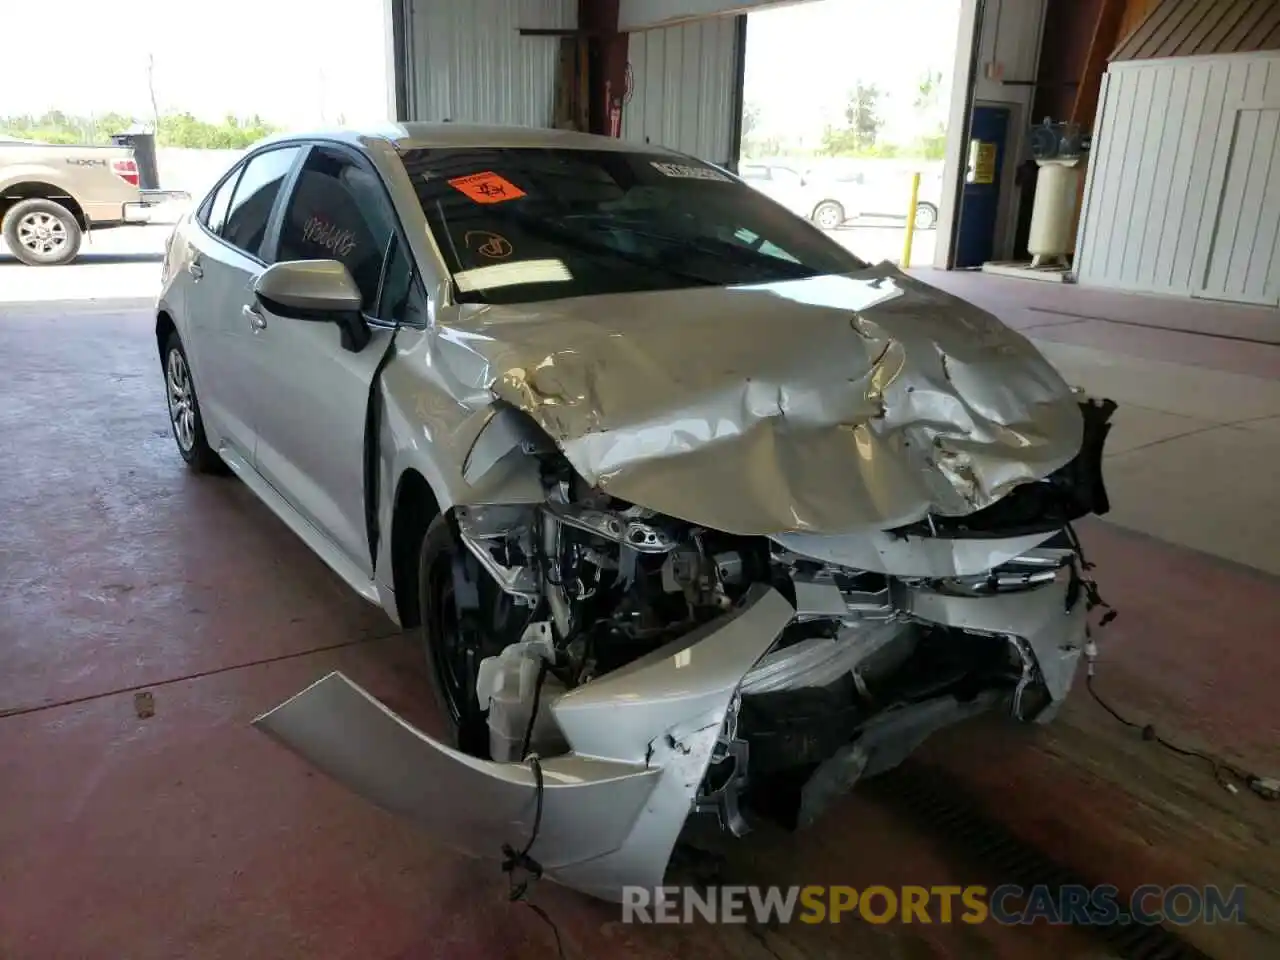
187,834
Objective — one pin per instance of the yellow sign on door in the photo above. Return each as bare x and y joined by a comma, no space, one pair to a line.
982,161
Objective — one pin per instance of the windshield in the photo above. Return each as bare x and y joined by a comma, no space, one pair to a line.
517,225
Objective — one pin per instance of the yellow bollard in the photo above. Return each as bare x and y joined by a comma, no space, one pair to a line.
911,221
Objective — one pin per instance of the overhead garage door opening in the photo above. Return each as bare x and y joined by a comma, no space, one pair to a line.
843,101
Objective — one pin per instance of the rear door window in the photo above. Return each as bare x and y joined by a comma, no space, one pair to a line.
254,197
214,214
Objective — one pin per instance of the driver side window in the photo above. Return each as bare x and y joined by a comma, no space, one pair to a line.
339,211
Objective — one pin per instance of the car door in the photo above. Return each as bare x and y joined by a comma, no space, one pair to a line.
310,394
224,265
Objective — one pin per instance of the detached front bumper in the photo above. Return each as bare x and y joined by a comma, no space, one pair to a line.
641,738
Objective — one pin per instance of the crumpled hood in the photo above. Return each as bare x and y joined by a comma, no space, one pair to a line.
827,405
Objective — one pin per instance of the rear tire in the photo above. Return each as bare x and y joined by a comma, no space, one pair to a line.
828,215
926,216
42,233
184,411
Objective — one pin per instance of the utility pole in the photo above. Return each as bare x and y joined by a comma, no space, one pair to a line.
151,88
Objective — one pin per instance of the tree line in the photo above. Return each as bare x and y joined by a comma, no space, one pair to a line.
176,129
859,133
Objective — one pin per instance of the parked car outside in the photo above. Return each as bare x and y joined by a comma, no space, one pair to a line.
887,194
52,195
694,513
826,202
836,196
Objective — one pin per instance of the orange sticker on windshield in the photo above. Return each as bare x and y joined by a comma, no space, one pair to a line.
486,187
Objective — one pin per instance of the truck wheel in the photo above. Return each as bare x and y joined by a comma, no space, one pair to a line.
42,233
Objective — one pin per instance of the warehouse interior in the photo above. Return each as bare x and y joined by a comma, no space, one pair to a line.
150,615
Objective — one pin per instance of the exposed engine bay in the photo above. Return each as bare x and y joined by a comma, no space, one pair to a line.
869,665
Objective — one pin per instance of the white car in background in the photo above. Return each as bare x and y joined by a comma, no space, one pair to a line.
828,204
835,199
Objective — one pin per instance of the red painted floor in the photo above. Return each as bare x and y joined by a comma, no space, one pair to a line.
186,834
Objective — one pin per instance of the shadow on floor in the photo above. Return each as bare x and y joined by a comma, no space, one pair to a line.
102,258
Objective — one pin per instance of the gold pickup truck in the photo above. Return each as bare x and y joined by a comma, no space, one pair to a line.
51,196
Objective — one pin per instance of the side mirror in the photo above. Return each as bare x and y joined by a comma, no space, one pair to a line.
316,290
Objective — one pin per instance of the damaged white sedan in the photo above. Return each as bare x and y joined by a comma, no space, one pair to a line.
697,514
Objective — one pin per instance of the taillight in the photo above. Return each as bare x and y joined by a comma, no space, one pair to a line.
126,170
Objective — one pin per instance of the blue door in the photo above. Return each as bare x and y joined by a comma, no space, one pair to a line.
980,201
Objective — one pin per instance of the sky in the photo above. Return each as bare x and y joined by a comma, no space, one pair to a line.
296,63
300,63
802,60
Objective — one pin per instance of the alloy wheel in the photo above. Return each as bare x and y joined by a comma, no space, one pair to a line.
42,233
182,401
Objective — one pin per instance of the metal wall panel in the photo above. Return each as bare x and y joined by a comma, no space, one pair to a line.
469,64
683,88
1185,153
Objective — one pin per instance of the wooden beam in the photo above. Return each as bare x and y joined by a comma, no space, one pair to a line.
1106,32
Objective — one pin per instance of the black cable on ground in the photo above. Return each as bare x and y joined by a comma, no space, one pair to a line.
1267,788
513,860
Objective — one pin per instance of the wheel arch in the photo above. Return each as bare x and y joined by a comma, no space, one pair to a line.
165,328
20,190
414,506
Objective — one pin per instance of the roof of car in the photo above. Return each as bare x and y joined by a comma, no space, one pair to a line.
415,135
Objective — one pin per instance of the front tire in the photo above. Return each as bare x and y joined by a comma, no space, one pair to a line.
828,215
457,636
42,233
184,411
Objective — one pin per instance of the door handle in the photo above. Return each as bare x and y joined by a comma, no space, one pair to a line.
256,320
195,270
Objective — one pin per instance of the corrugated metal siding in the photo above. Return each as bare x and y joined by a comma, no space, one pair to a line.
682,94
1183,28
468,62
1183,195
